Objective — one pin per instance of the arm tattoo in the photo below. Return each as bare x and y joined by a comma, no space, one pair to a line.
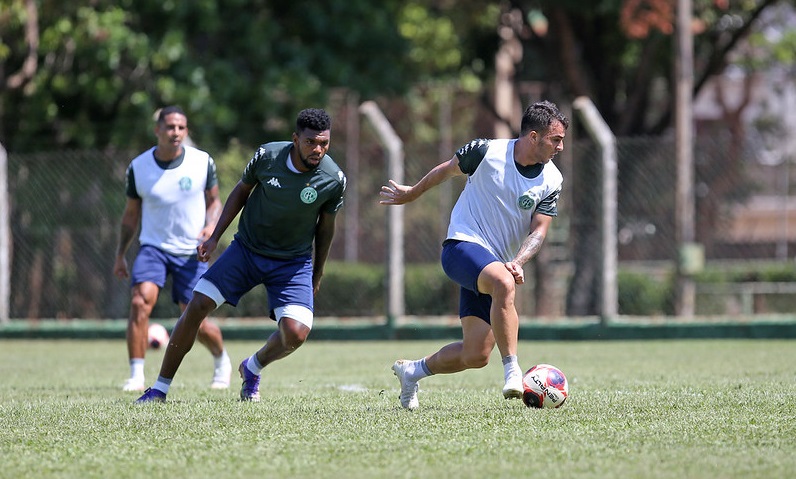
529,247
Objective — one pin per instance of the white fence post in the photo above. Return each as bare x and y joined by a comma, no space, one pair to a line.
5,240
395,214
601,133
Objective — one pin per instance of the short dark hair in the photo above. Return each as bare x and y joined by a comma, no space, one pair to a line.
168,110
313,119
540,115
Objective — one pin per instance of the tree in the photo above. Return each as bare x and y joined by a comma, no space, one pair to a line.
614,52
79,74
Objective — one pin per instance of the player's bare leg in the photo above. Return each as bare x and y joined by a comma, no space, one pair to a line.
181,341
283,342
290,335
471,352
184,333
143,298
498,282
210,336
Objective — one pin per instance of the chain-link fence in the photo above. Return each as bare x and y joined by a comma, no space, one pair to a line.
66,208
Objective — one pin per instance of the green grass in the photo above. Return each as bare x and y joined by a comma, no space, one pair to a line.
654,409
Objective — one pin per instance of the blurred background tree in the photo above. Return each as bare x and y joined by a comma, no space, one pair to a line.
84,74
241,68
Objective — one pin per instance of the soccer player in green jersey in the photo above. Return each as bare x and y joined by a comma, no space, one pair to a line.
290,193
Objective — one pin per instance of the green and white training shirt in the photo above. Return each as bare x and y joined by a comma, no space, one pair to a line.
500,197
281,214
172,195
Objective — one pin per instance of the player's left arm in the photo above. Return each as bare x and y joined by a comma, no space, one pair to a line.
540,224
324,233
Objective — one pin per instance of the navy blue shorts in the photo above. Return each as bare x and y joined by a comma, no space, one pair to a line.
463,262
154,265
238,270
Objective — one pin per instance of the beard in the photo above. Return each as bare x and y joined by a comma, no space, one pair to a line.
305,161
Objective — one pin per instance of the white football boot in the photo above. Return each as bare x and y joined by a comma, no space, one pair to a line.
134,384
513,388
408,388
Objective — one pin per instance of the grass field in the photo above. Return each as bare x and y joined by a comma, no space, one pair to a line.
654,409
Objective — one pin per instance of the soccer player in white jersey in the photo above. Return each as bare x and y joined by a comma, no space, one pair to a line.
290,193
172,191
498,223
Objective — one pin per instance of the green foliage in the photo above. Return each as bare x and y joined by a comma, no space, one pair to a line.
104,68
359,289
350,288
651,409
242,68
588,51
749,272
429,291
434,39
773,45
641,294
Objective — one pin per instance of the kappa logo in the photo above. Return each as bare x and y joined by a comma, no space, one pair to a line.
274,182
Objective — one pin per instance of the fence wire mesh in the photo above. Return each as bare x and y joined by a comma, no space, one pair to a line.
66,208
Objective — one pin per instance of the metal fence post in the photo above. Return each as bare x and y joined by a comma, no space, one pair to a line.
602,134
395,214
5,239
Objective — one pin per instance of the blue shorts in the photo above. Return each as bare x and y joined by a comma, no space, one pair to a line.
238,270
154,265
463,262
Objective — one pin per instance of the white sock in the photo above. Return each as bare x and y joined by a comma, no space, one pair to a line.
253,365
511,367
162,384
137,368
218,361
417,370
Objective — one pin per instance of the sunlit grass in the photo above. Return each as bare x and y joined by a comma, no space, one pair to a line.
654,409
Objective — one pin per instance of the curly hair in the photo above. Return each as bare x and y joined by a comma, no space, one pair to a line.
540,115
313,119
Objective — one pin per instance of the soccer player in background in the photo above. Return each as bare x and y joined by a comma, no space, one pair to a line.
290,193
497,225
172,192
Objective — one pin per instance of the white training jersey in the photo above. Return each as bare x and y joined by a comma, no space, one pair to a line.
172,197
500,197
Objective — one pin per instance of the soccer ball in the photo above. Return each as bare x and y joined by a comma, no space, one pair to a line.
544,386
157,336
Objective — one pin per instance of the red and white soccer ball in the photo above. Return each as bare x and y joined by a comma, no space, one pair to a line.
544,386
157,336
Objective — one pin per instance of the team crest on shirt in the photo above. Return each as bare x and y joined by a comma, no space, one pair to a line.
185,183
309,195
526,201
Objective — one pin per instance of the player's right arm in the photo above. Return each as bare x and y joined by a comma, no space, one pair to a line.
235,202
395,194
130,220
